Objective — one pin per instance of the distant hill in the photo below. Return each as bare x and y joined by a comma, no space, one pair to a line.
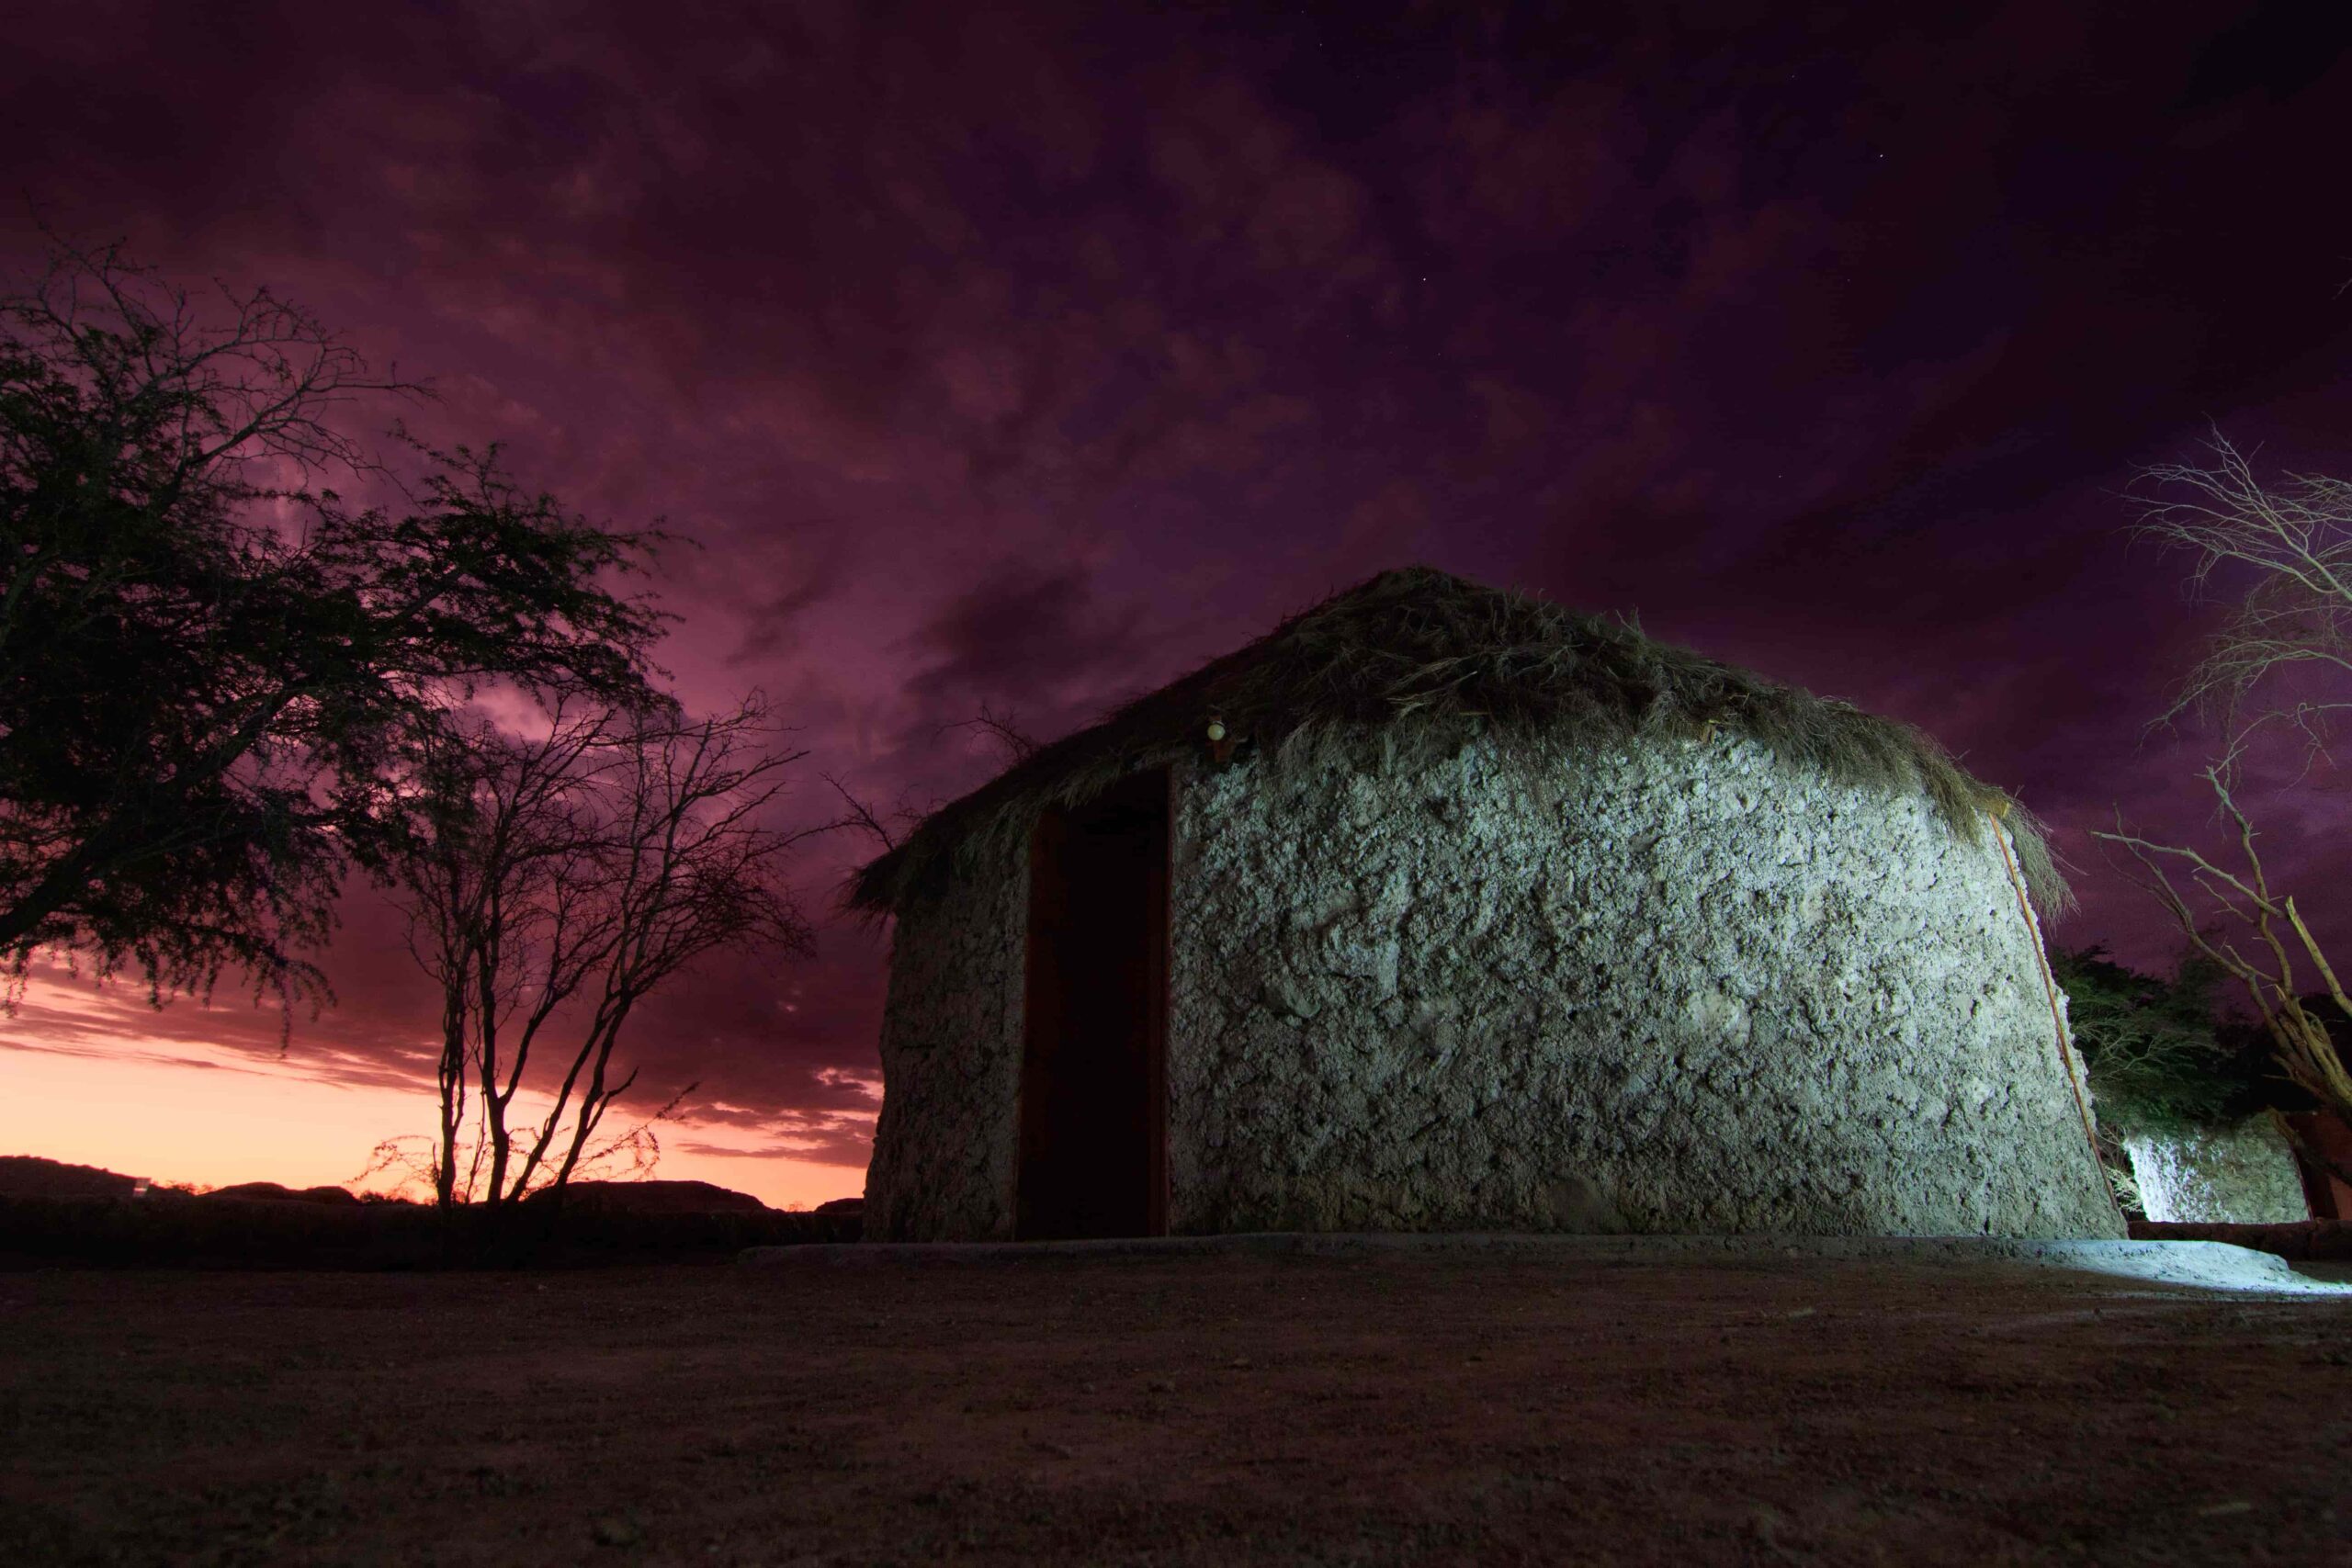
271,1191
32,1177
29,1176
80,1214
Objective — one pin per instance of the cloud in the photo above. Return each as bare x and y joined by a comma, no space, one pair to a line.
60,1015
1018,631
801,1131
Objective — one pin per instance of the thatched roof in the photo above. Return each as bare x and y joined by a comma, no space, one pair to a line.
1433,656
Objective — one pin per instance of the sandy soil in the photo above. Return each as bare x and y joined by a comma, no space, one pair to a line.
1432,1409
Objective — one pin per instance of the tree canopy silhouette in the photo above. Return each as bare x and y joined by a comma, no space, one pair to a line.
212,668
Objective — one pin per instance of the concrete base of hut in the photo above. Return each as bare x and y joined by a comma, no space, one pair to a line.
2243,1175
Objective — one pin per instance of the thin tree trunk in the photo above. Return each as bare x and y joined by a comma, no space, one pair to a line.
593,1101
493,1107
453,1089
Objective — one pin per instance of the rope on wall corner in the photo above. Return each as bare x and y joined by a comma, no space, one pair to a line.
2057,1019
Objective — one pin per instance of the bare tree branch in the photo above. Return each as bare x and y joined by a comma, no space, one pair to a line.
583,870
864,818
2290,627
2295,616
1002,729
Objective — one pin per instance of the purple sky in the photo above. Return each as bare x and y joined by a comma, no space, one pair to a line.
1029,356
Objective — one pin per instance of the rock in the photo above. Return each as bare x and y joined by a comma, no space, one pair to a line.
623,1532
652,1197
842,1206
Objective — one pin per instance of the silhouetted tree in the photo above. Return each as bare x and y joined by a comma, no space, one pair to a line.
2166,1056
562,879
211,674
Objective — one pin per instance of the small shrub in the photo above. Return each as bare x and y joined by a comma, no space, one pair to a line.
2164,1057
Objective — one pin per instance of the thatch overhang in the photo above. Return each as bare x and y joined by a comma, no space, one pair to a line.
1431,657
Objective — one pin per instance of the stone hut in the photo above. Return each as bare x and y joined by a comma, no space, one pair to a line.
1444,907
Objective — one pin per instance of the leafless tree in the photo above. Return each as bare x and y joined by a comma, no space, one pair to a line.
562,879
2278,673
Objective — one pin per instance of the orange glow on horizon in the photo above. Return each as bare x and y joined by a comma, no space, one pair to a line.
178,1111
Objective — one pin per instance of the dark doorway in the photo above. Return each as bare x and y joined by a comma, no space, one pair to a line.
1094,1079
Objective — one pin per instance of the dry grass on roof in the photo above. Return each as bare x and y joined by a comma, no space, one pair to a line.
1432,658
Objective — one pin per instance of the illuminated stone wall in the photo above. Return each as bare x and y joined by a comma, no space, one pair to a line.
1674,987
946,1140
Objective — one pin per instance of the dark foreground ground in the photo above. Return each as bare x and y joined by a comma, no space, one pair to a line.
1438,1408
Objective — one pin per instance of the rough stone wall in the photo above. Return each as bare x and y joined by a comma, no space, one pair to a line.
1670,987
2243,1175
951,1033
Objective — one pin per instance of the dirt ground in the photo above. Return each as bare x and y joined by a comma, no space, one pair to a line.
1436,1409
